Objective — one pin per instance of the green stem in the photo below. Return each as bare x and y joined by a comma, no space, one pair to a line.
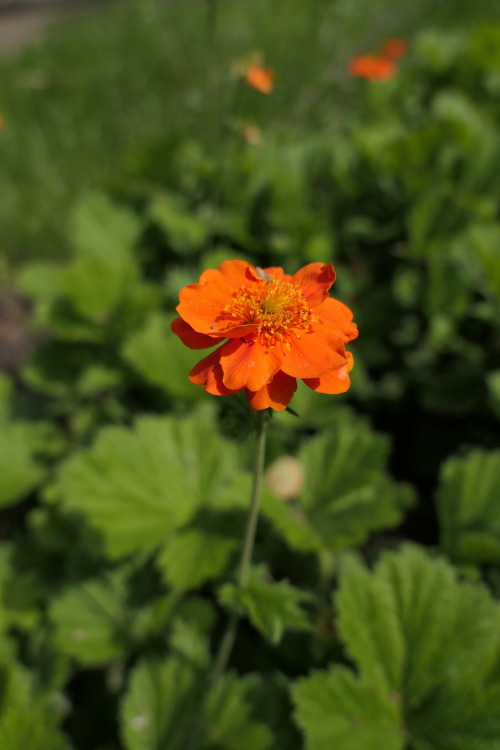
229,637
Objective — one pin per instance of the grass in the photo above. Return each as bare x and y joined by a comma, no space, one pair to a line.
78,106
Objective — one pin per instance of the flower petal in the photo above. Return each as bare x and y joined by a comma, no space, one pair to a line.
190,337
336,381
275,395
233,273
333,311
249,364
208,372
314,354
202,307
260,78
315,280
274,271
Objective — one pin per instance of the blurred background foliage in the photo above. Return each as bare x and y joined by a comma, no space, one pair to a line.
371,618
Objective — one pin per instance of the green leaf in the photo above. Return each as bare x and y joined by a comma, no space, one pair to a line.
470,124
97,285
16,682
194,556
482,241
441,52
433,220
30,729
90,620
167,706
19,470
493,383
435,630
346,493
272,608
104,273
162,359
160,698
101,227
468,507
186,232
448,289
426,647
228,718
137,486
464,721
100,293
39,280
336,709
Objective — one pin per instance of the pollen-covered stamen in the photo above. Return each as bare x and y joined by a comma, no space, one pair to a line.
277,308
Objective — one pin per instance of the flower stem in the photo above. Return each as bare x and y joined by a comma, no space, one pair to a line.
229,636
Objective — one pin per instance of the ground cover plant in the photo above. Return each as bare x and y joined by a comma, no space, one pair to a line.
367,614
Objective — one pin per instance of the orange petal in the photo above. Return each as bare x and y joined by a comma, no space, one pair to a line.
315,280
335,312
260,78
275,395
277,273
336,381
373,67
233,272
249,365
274,271
208,372
314,354
190,337
202,307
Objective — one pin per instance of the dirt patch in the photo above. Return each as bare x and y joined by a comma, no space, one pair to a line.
24,22
18,29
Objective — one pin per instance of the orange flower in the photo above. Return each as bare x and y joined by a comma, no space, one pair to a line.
255,73
260,78
394,48
372,67
275,328
1,122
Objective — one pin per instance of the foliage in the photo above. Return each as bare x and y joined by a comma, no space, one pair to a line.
124,488
467,502
426,647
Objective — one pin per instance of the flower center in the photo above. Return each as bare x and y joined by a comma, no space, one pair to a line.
277,308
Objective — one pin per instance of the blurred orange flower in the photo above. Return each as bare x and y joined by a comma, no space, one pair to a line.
256,74
394,48
373,67
275,328
1,122
260,78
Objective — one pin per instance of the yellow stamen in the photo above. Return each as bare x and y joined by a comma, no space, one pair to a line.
277,308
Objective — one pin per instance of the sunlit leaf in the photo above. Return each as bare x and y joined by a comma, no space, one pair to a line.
186,232
91,620
167,706
30,729
194,556
336,709
137,486
346,493
20,472
426,647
